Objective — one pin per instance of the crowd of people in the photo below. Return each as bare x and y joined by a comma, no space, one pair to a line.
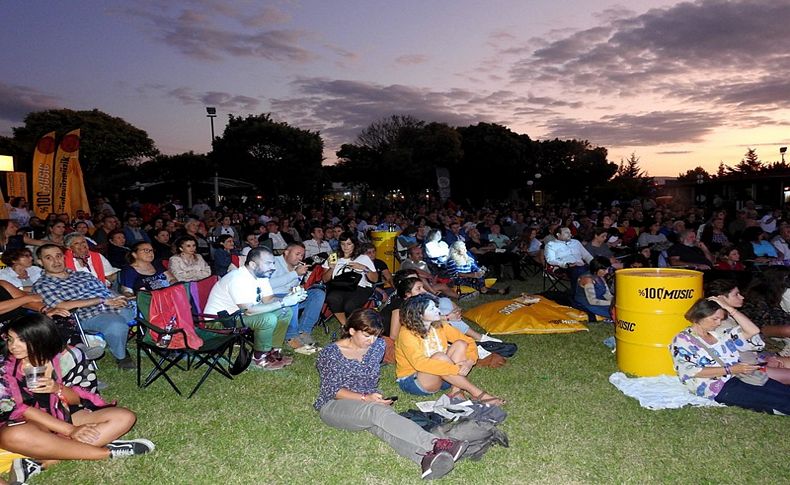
286,269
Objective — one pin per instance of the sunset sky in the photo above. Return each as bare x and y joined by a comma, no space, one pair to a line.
681,84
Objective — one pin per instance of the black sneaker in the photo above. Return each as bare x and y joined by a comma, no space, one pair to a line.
124,448
24,468
456,448
436,465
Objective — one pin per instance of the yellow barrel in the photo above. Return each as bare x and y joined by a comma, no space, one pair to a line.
650,306
384,242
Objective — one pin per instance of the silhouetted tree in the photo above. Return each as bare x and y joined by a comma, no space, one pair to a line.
109,145
280,159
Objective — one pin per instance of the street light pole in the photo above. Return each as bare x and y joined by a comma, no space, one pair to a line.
782,150
211,113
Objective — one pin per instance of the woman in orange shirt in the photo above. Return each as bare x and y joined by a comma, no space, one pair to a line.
431,356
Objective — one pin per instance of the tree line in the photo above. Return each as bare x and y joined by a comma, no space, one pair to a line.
486,161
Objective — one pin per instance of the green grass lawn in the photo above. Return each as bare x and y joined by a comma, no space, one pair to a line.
566,424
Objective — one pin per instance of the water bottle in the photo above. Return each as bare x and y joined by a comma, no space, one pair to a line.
165,339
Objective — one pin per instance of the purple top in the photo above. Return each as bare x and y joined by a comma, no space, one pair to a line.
338,372
49,403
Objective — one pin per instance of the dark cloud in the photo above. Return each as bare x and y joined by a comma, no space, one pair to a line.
655,128
340,109
17,101
728,49
197,33
226,101
674,152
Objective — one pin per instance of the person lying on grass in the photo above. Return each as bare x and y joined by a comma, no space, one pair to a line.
349,399
706,357
433,356
56,420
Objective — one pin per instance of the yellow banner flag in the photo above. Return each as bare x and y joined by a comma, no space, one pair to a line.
77,198
68,149
17,184
43,156
3,207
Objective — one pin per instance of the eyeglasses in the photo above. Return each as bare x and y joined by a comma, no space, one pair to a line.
145,250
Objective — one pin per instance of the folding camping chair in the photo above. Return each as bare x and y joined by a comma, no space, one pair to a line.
199,291
555,279
215,351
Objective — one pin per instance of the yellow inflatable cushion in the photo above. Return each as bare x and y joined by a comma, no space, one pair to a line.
527,314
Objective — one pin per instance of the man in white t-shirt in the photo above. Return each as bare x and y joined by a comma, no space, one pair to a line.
248,289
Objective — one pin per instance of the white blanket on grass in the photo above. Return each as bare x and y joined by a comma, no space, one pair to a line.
662,392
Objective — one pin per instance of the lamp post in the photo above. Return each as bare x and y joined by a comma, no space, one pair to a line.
531,184
700,195
782,150
211,113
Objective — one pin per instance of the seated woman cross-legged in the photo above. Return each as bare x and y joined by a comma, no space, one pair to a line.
431,356
592,291
56,420
706,357
349,398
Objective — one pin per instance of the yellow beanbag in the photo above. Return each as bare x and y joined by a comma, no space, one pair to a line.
527,314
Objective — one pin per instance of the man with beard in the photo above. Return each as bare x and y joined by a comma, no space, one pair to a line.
249,289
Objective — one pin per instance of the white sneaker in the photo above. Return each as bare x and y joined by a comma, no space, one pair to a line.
488,338
306,350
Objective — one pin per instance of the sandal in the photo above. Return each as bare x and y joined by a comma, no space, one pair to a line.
491,399
461,394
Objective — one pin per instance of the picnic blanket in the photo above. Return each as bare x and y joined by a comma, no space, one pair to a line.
527,314
661,392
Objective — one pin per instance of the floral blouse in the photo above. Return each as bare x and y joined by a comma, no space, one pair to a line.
688,358
339,372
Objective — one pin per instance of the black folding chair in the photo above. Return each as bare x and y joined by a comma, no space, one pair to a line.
216,353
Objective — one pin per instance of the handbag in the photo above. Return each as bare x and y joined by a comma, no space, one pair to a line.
346,280
755,378
244,357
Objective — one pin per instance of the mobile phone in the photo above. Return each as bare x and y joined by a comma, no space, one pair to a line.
391,398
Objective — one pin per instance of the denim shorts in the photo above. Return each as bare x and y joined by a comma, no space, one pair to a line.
410,385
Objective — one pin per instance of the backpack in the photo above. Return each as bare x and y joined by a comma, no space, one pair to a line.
481,436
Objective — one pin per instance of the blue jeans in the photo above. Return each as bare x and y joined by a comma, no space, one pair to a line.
772,396
311,312
114,327
411,385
